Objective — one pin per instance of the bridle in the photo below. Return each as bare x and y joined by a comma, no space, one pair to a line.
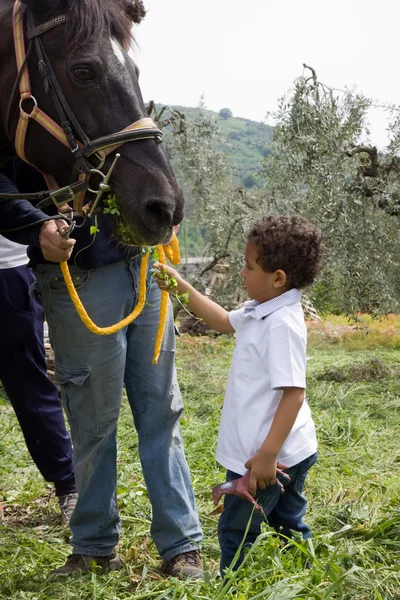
69,132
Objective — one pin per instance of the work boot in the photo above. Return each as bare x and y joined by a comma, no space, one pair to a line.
184,566
67,504
77,564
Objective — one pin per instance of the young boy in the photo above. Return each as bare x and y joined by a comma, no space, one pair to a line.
265,419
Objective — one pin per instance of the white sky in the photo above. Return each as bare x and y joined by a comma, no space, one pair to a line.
245,54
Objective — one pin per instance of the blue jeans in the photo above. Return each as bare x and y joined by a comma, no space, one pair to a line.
91,370
284,513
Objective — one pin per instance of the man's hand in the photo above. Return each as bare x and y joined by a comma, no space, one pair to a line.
54,246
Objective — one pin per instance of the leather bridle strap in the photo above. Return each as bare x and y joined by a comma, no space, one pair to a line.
45,199
44,27
66,116
25,90
139,130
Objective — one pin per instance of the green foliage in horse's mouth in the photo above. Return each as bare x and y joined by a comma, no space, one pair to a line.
112,205
123,232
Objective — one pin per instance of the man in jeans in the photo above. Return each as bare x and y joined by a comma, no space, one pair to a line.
91,371
33,395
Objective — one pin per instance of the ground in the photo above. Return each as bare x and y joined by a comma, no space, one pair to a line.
353,491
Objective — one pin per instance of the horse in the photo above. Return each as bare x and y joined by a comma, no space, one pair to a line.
83,103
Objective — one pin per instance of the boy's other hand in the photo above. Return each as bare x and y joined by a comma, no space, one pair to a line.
241,487
263,472
237,487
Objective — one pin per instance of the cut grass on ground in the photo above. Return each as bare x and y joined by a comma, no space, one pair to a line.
353,491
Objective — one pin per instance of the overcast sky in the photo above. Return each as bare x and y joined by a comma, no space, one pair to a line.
244,55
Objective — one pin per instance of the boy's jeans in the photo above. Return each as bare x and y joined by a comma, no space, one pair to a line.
284,512
91,370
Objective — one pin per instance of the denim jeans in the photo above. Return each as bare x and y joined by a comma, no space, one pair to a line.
284,512
91,370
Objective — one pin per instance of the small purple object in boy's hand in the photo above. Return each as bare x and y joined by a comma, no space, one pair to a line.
237,487
240,487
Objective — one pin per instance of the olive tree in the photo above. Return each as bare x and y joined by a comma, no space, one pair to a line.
323,166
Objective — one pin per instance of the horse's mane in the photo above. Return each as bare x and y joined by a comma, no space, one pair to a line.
89,19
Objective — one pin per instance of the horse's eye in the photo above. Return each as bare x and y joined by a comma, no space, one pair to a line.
83,73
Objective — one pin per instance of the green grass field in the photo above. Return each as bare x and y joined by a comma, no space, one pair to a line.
353,491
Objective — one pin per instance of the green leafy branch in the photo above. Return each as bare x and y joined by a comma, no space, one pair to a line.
171,283
94,228
112,206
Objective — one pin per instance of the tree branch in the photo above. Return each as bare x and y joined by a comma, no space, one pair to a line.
216,259
315,80
374,168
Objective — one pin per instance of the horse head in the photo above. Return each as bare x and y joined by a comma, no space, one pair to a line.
90,54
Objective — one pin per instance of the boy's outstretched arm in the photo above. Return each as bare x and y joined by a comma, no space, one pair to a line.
204,308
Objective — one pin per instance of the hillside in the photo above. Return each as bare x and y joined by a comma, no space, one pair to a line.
245,143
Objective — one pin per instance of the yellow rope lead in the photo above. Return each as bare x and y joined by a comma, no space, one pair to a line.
163,310
172,251
81,309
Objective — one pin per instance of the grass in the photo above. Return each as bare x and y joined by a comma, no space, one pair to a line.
353,491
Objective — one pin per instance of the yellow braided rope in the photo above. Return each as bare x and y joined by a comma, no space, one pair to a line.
172,251
81,309
163,311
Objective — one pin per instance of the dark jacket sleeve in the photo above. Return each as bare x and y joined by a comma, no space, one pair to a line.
17,213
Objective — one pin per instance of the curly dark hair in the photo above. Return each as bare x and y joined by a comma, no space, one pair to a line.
290,243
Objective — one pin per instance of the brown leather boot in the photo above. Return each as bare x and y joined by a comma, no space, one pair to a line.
77,564
184,566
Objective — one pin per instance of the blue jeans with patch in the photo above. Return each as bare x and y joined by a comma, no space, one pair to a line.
91,370
284,512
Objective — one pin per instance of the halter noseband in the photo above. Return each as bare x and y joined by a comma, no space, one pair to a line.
65,133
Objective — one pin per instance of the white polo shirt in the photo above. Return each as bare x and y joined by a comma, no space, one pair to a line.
11,254
270,353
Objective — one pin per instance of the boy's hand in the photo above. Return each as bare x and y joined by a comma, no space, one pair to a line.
237,487
241,487
263,472
202,307
167,278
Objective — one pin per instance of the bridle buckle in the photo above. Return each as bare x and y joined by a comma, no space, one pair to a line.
62,196
103,185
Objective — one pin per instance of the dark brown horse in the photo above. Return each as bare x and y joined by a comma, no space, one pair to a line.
88,52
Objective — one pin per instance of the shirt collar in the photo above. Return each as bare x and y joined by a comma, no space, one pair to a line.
260,310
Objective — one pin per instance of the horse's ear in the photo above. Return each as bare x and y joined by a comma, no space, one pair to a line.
135,10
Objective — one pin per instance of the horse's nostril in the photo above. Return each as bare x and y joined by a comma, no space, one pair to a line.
158,216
